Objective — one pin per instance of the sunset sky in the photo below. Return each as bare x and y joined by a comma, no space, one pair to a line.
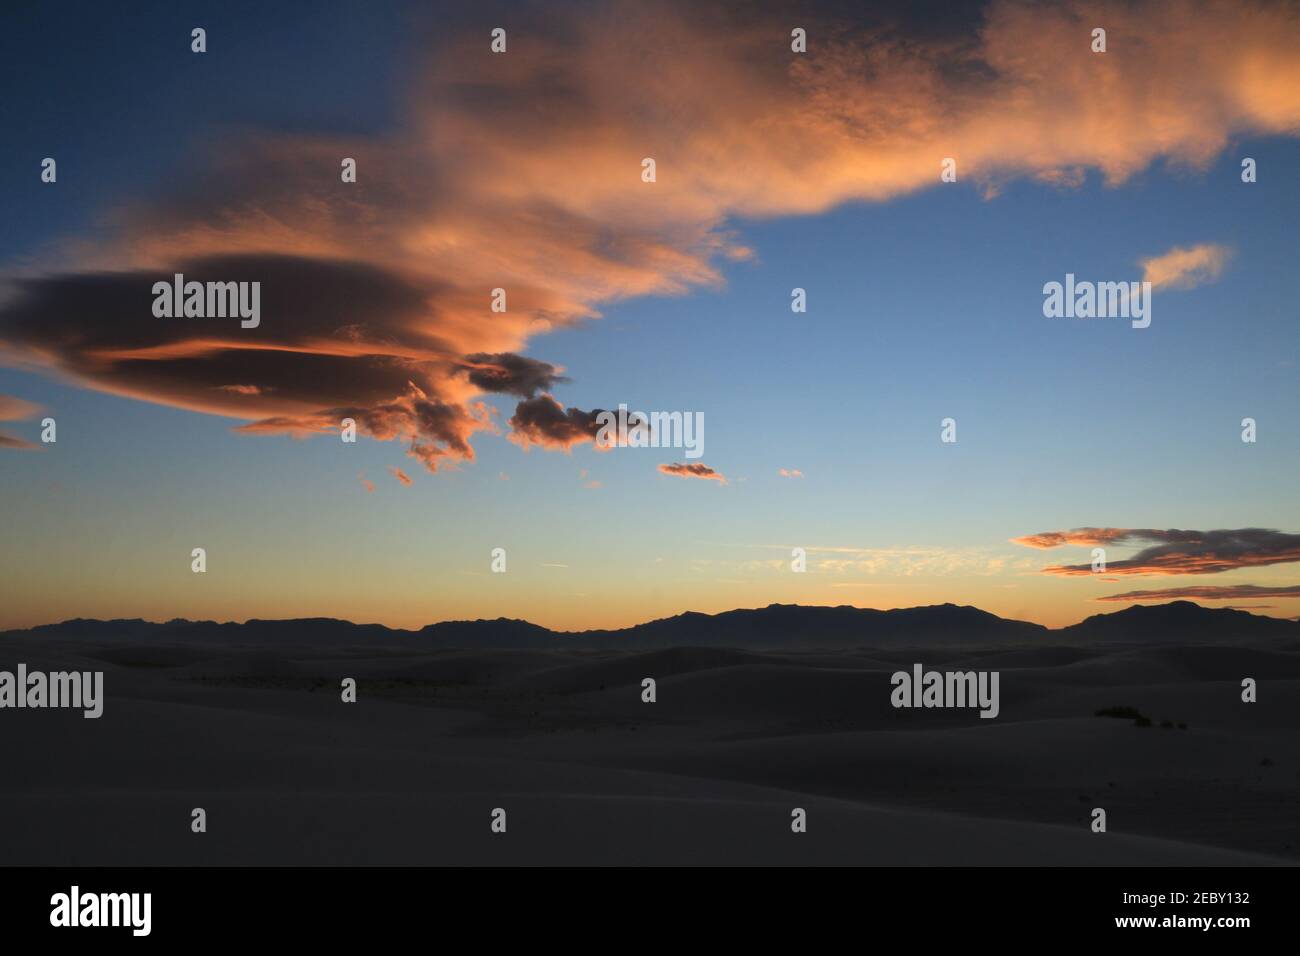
523,170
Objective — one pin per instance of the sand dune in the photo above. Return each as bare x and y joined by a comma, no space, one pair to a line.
257,735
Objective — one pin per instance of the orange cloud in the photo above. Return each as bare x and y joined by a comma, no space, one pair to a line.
522,172
1174,551
15,409
1078,536
1186,268
693,470
1208,593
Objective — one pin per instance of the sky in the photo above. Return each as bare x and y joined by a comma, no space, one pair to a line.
522,170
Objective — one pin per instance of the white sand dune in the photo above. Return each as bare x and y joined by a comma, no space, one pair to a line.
589,774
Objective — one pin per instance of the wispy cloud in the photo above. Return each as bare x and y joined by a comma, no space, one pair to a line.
1227,592
1174,551
1085,537
894,562
15,443
1186,268
15,409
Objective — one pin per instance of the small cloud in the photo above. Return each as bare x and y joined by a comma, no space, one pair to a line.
1186,268
15,409
10,441
11,410
400,475
366,483
693,470
544,421
790,473
503,476
1208,592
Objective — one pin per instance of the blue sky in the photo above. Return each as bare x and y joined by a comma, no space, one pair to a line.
922,306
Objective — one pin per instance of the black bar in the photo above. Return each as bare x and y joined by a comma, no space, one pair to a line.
333,906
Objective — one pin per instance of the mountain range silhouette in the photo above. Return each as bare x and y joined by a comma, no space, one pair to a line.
774,626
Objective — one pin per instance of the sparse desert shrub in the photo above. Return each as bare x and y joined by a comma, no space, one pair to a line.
1124,713
1129,713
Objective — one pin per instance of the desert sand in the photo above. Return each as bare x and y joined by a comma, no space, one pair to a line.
255,732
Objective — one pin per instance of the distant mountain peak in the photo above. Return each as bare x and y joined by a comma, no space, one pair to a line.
776,625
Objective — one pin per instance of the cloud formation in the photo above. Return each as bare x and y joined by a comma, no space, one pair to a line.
1084,537
545,422
1208,592
14,409
1186,268
1173,551
509,373
522,172
693,469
